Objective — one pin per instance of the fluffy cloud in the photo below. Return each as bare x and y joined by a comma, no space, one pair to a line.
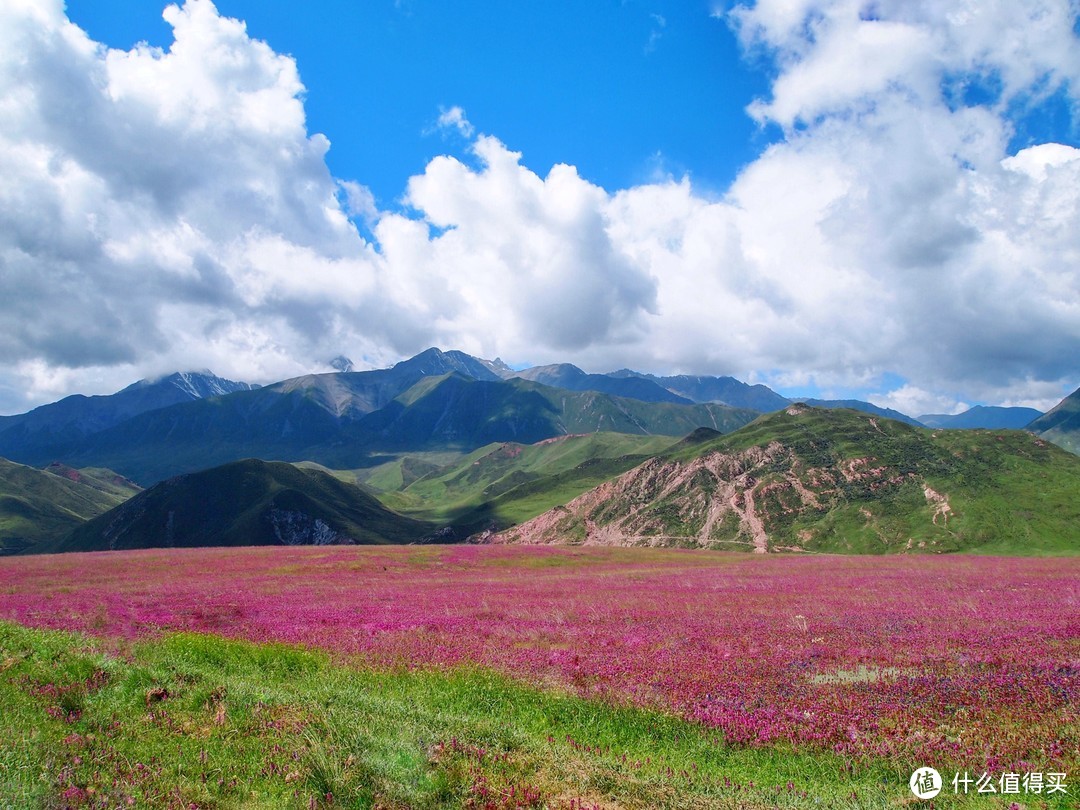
529,258
169,209
141,189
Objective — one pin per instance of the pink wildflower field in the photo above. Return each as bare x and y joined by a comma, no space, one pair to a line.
966,660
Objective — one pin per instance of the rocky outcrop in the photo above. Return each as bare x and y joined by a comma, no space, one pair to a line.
293,528
755,499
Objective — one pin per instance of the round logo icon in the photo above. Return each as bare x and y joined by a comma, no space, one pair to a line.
925,783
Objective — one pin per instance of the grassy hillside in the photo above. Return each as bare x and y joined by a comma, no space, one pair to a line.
838,481
505,482
245,503
42,505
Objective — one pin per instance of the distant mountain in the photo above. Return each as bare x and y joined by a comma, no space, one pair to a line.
759,398
39,506
434,363
459,412
45,433
1061,424
725,390
315,403
572,378
864,407
245,503
808,479
349,396
986,417
152,437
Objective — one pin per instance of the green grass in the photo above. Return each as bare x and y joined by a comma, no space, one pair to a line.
197,721
507,482
41,505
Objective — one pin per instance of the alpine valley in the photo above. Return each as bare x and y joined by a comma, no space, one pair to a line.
446,447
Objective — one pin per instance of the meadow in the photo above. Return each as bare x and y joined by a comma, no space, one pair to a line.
445,676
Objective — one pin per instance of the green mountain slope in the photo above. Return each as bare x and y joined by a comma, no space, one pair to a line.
1061,424
837,481
38,506
454,411
506,482
245,503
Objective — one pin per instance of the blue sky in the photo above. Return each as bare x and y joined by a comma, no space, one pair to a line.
621,90
834,197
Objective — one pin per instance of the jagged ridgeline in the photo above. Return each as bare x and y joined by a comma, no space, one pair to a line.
246,503
808,479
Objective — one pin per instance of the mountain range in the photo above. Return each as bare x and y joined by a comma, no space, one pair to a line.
188,421
453,445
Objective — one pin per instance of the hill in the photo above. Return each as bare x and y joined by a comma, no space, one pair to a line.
504,483
985,417
1061,424
40,506
807,479
245,503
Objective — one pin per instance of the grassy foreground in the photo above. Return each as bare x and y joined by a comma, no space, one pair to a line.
197,721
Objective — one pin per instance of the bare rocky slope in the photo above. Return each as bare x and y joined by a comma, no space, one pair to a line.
806,479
